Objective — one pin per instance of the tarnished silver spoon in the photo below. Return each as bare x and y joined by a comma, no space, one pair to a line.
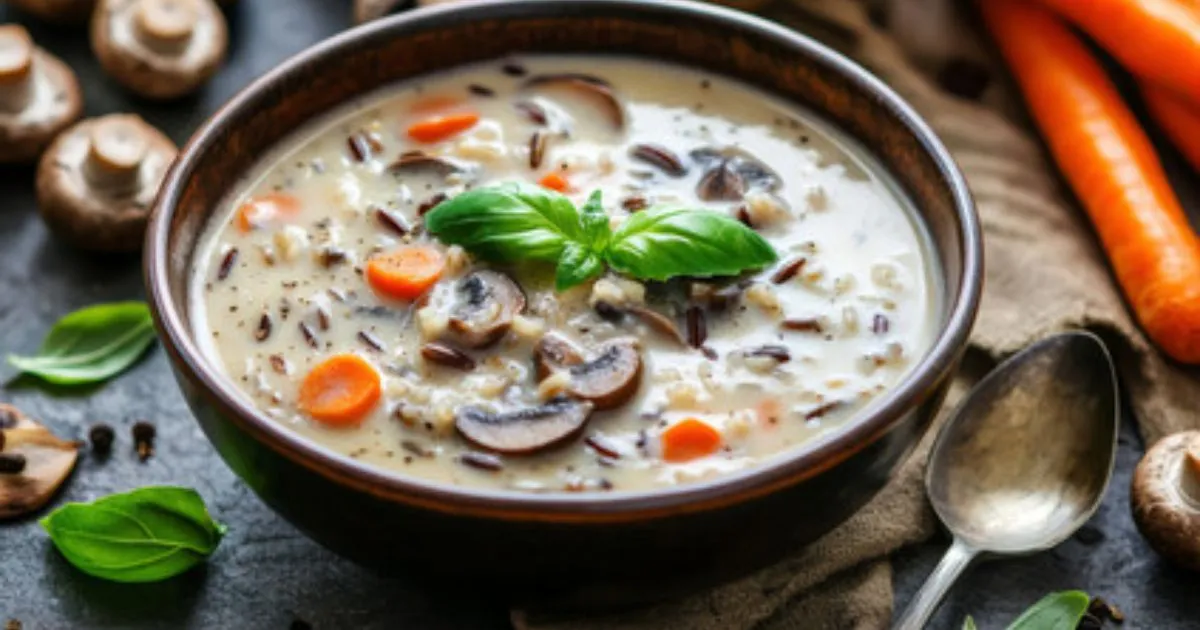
1024,460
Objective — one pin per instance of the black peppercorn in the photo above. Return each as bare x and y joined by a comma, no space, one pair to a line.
11,463
143,439
101,436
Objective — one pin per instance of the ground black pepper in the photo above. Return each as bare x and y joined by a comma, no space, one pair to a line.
101,436
143,439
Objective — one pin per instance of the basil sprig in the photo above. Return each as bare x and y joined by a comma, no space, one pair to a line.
1056,611
146,535
514,221
92,344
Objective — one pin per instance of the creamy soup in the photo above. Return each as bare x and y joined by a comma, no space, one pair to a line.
323,293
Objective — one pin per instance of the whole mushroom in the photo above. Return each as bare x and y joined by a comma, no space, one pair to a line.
1166,498
39,96
57,11
96,182
33,463
159,49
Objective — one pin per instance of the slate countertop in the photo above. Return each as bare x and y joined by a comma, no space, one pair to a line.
266,574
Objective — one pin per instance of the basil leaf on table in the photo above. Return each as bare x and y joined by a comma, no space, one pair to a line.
662,243
145,535
92,344
508,222
1056,611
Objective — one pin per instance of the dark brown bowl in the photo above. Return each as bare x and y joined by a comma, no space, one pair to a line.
589,548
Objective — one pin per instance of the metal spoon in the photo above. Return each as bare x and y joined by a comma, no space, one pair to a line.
1024,460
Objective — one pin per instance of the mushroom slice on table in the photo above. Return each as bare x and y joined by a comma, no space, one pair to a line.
39,96
57,11
34,463
524,431
1166,498
97,181
609,379
485,303
159,48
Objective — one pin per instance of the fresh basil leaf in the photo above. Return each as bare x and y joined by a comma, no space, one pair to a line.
1056,611
596,229
145,535
577,265
662,243
509,222
92,344
969,624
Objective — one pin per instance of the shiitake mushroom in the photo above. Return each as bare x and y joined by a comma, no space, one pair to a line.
38,463
485,303
39,96
97,181
160,49
524,431
607,380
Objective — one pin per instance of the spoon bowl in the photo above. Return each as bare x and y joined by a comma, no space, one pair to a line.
1024,461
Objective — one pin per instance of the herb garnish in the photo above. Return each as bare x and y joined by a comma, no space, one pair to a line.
92,344
1056,611
146,535
515,221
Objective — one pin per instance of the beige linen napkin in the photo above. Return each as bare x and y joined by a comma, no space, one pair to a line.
1045,273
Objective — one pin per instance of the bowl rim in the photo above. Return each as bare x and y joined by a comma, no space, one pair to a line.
782,469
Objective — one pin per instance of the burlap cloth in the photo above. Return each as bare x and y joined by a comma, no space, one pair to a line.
1045,273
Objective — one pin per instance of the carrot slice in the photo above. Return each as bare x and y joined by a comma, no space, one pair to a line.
555,181
340,391
689,439
439,128
1112,167
406,273
1179,119
265,209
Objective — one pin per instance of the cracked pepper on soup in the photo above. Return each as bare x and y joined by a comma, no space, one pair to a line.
565,274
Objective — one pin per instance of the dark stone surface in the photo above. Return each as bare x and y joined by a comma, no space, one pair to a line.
265,573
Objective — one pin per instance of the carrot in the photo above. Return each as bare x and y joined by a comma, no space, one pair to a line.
340,391
689,439
1112,167
555,181
1180,120
439,128
406,273
1156,39
263,210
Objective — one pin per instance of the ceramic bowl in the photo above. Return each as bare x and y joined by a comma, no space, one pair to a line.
565,548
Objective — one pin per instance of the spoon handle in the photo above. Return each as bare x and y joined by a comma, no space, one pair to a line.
958,557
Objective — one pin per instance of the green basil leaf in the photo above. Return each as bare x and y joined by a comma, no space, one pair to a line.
597,231
577,265
1056,611
662,243
145,535
92,344
509,222
969,624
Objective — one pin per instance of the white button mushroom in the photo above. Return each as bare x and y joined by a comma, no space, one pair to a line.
39,96
96,182
57,11
159,48
1166,498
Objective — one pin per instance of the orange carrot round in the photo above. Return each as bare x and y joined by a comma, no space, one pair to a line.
1112,167
1179,119
440,128
689,439
1156,39
555,181
340,391
260,211
406,273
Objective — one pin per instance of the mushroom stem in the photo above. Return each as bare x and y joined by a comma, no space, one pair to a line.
16,68
116,149
1189,477
165,26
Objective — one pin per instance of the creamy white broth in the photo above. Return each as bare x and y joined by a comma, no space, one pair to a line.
863,300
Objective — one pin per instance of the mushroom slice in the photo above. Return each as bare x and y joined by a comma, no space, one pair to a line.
48,462
1166,498
524,431
485,303
97,181
414,162
39,96
554,352
594,87
660,157
159,49
731,172
611,378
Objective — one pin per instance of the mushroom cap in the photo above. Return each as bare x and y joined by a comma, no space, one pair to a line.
39,96
57,11
159,49
1166,498
97,181
48,462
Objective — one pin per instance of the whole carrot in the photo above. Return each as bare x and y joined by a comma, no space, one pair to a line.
1111,165
1181,120
1156,39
